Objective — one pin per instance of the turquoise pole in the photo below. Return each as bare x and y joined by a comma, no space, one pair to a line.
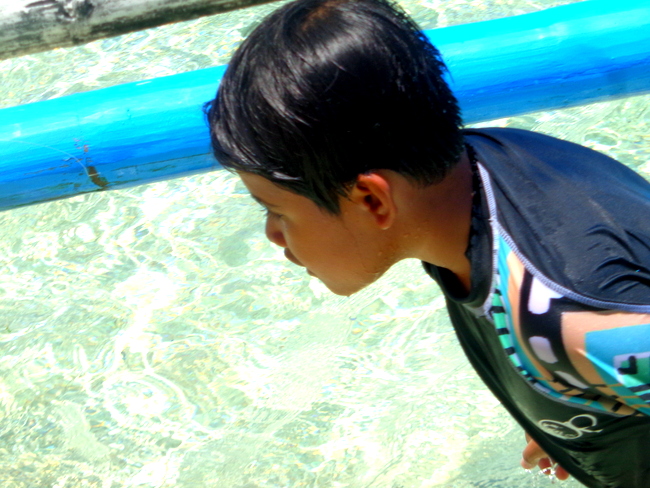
153,130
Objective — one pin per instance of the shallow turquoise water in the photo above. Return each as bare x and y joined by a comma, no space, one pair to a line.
151,337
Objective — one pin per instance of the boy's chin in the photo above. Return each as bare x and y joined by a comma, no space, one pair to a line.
345,289
342,293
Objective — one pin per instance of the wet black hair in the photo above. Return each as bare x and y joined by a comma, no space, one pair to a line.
325,90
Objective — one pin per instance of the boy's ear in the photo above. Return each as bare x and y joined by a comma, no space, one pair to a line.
374,193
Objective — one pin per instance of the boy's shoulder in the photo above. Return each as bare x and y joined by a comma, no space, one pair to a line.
529,153
577,216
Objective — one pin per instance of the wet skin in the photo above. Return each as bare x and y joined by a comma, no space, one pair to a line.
384,218
346,252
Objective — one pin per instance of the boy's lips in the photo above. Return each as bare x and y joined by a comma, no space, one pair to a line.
294,260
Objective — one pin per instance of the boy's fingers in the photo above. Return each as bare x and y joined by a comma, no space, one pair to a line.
548,466
533,455
560,473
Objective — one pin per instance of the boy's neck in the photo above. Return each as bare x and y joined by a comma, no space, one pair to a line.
440,219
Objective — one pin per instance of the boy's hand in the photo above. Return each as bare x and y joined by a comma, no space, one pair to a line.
533,455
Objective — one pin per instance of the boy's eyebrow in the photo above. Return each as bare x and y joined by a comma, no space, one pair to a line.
262,202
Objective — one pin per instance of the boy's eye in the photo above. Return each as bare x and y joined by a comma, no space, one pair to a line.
270,214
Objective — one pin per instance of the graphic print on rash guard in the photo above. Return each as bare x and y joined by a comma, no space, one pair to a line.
572,352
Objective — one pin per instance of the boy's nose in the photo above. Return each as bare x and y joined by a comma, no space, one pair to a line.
274,233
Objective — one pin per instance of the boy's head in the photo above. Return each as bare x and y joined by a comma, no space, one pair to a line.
326,90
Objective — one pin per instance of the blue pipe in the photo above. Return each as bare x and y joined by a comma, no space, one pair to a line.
153,130
561,57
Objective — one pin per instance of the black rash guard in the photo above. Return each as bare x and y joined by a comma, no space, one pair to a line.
557,322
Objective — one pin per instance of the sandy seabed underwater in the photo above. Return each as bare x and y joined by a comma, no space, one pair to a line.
152,337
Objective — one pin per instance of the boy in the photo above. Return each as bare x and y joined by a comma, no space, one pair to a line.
335,115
